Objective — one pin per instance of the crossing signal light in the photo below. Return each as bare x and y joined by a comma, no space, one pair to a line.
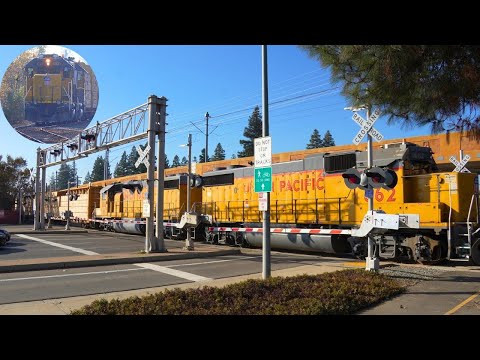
382,178
353,179
88,137
196,180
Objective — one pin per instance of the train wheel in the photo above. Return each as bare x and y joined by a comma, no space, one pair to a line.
475,252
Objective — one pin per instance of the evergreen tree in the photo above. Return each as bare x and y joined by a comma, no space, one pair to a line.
97,171
195,159
73,175
234,156
416,85
88,178
121,169
176,161
315,140
328,139
251,132
219,153
52,183
167,163
184,161
201,157
63,175
109,173
132,159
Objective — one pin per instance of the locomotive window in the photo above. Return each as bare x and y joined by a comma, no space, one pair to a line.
65,72
224,179
340,162
171,184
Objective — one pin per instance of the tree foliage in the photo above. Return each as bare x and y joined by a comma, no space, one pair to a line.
97,171
12,89
201,157
219,153
176,161
328,139
251,132
184,161
13,175
415,85
121,169
315,140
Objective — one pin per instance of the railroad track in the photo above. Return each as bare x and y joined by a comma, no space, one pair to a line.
47,134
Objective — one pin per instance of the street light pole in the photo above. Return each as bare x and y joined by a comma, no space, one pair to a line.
189,242
207,115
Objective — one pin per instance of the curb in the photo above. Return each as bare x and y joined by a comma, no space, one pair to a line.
111,261
37,232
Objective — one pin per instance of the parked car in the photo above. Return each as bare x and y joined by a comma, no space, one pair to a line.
4,237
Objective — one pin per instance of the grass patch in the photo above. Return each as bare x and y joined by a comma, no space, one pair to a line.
341,292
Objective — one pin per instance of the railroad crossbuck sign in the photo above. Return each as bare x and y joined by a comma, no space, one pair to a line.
460,166
367,127
143,156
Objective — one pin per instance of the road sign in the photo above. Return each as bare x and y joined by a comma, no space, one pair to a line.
460,166
262,201
367,127
263,151
146,208
143,156
369,193
263,179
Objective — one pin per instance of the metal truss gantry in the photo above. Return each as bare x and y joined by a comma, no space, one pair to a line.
130,126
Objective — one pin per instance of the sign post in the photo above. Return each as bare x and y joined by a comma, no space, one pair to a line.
366,128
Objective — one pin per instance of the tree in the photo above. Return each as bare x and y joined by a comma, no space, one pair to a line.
176,161
64,174
201,157
219,153
234,156
12,173
121,169
132,159
251,132
315,140
416,85
88,178
195,159
52,183
73,174
12,89
184,161
97,171
167,163
328,139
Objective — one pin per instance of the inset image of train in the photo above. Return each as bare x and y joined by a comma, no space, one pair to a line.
59,90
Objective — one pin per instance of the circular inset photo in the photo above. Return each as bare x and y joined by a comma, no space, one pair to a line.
49,94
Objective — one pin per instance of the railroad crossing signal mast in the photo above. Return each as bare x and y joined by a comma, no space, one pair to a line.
366,128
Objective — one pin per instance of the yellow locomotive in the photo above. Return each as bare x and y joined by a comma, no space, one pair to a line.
325,191
59,90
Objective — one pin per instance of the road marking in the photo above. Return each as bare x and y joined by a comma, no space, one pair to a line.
177,273
81,251
66,275
213,262
463,303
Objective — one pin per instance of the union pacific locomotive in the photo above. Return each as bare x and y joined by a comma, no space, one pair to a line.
59,90
316,203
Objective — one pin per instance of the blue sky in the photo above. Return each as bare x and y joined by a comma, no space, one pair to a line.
220,79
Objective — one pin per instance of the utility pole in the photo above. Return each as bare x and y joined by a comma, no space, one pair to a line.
189,243
207,116
265,132
67,226
105,165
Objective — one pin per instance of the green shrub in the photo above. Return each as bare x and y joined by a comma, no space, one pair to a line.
341,292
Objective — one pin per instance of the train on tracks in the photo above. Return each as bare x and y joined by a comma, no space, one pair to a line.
316,203
59,90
